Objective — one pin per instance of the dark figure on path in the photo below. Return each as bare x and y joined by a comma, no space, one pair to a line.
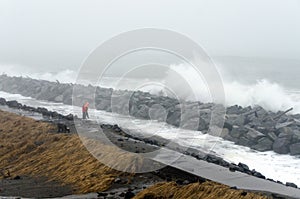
85,113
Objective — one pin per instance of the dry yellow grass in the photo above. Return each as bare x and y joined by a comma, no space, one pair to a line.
206,190
27,148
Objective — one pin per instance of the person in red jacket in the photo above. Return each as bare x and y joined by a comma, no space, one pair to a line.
85,113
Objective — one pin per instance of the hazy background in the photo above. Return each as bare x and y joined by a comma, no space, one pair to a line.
255,43
59,34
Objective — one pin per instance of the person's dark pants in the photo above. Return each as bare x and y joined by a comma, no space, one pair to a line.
84,115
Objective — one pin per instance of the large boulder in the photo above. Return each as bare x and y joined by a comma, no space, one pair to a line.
296,136
234,110
281,145
2,101
263,144
254,135
237,131
272,136
237,120
13,104
245,142
174,118
284,132
143,112
202,124
295,149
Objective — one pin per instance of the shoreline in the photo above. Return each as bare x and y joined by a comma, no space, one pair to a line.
117,132
253,127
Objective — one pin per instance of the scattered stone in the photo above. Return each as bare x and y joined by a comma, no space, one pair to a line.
2,101
290,184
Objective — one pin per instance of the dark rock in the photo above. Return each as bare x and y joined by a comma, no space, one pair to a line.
245,142
129,194
13,104
296,136
285,132
233,110
237,131
233,168
174,118
69,117
62,128
17,178
102,194
254,134
213,159
2,101
295,149
202,124
281,145
290,184
264,144
227,126
272,136
244,166
257,174
237,120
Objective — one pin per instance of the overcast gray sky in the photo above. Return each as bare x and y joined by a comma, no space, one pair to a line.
61,33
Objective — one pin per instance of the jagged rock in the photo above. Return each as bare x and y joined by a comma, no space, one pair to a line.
13,104
237,131
244,166
290,184
254,135
143,112
281,145
272,136
257,174
285,132
245,142
263,144
295,149
296,136
174,118
238,120
234,109
202,124
2,101
285,124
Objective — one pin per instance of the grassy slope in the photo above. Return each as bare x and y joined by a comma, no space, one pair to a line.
206,190
27,147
